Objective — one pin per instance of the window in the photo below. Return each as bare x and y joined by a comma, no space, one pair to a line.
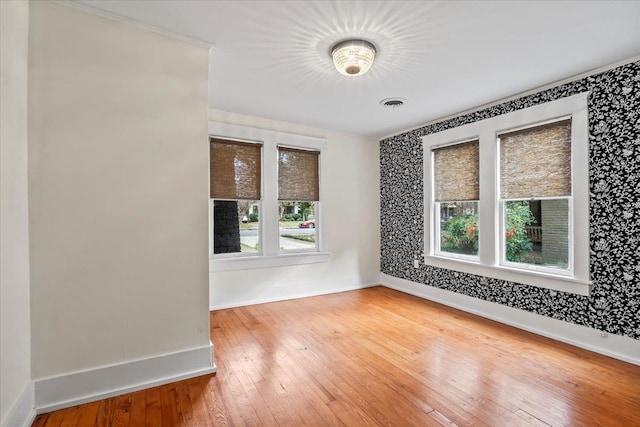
298,193
535,196
266,198
456,186
235,173
507,197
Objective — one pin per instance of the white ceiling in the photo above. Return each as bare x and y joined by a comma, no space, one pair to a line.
271,58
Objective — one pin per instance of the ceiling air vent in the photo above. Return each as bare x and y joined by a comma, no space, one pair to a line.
392,102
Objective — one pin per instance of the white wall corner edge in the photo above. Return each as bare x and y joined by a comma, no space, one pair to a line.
89,385
23,412
616,346
264,294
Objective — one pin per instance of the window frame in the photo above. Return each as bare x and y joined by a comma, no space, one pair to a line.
270,254
489,247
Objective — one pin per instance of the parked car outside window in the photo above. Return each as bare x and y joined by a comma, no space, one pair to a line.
308,224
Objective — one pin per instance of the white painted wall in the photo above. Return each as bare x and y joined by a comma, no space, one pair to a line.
118,192
352,221
15,335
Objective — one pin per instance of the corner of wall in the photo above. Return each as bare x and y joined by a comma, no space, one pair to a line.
16,387
23,411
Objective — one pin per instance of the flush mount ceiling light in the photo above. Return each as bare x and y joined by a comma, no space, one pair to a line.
353,57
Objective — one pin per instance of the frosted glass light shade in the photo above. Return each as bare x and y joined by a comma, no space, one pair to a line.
353,57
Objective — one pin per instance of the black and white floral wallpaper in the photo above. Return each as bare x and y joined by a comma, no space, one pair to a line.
614,171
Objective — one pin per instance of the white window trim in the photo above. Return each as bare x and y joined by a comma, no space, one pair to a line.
270,254
487,132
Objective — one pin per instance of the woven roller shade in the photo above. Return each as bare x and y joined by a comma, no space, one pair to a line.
298,175
235,170
457,172
536,162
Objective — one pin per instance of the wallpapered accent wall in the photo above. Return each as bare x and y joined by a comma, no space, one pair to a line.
614,183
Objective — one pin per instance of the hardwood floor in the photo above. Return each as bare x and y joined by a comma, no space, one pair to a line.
378,357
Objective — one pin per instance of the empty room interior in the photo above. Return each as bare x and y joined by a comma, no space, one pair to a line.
327,213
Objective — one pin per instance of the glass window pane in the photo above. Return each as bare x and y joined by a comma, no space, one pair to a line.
249,217
297,225
537,232
236,226
458,227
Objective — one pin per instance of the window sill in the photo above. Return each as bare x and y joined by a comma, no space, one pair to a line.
249,262
538,279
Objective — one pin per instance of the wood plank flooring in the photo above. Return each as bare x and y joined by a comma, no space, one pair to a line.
378,357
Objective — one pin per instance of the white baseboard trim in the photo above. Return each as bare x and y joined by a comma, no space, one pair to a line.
89,385
616,346
23,412
251,294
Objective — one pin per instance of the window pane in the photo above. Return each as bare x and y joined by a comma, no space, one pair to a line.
537,232
298,226
236,226
458,227
249,226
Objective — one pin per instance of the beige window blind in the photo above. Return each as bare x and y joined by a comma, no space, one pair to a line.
536,162
457,172
235,170
298,175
